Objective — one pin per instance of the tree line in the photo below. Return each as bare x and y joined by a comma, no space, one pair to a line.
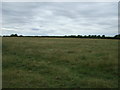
71,36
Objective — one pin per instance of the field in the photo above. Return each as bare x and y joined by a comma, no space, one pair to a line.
32,62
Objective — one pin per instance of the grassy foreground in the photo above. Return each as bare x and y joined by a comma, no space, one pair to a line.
30,62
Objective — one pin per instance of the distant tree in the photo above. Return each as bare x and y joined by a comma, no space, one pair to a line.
13,35
103,36
117,36
72,36
85,36
89,36
98,36
93,36
20,35
79,36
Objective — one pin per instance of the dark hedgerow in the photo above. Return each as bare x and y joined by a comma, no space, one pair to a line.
71,36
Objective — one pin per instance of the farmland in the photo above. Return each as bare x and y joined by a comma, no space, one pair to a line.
33,62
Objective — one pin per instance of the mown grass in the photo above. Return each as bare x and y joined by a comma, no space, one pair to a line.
59,63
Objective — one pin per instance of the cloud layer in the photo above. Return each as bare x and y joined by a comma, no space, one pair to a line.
63,18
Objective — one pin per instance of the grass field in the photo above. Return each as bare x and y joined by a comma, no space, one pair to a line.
31,62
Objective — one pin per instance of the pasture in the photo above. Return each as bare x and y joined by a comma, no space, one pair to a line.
33,62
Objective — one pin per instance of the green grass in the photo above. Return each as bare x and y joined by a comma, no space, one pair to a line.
30,62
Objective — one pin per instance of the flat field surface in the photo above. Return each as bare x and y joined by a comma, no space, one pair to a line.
32,62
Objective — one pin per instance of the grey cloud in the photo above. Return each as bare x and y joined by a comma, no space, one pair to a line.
36,29
60,18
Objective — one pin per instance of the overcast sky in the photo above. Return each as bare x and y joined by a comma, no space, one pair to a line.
60,18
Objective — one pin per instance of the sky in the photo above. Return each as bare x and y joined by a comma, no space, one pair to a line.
60,18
